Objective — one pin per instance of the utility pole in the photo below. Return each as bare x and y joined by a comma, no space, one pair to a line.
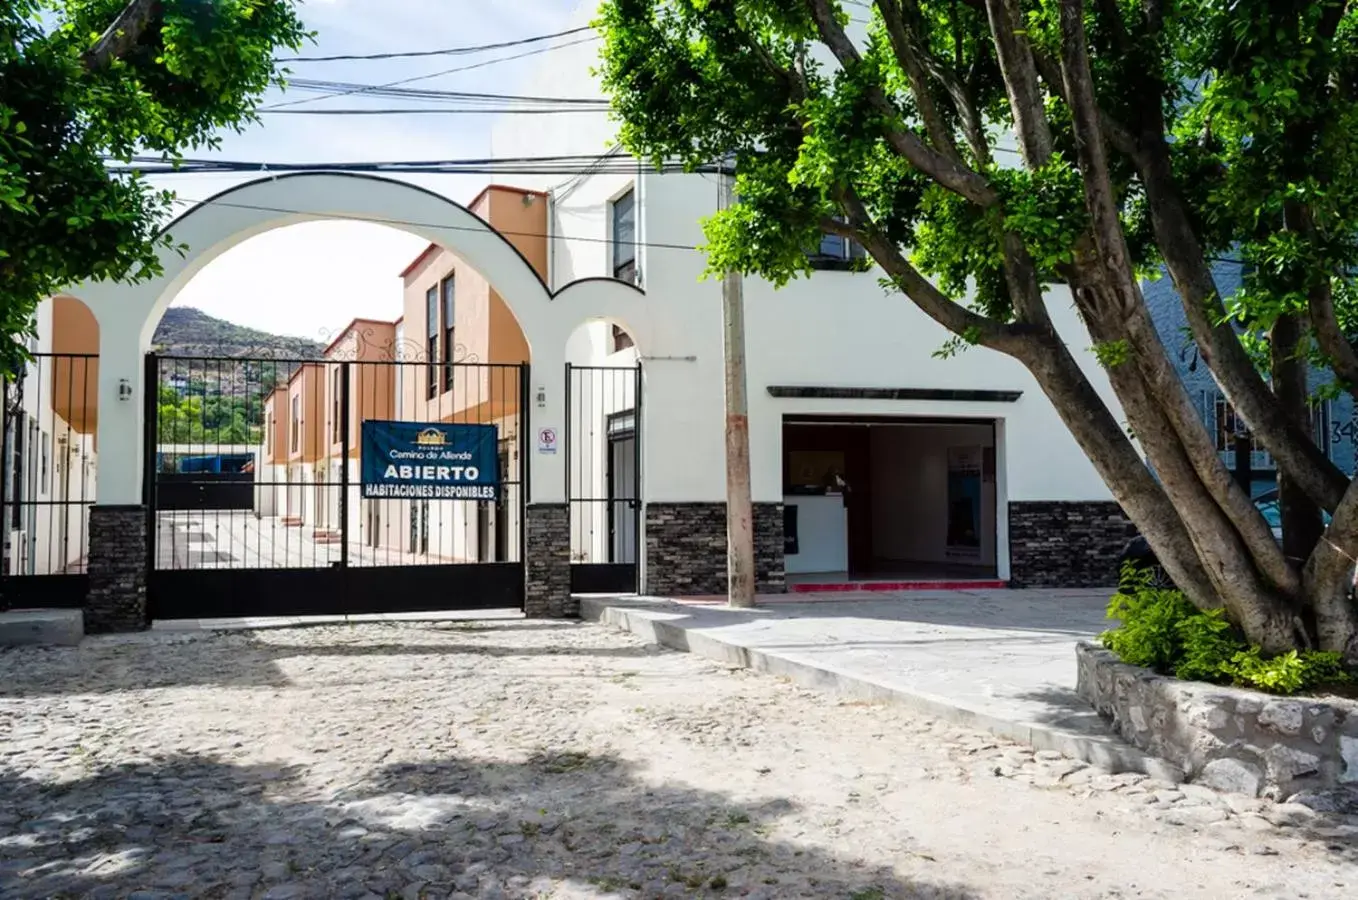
740,580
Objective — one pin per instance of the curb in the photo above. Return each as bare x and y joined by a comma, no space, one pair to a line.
1107,752
42,627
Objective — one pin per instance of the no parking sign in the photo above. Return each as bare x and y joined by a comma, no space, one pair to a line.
547,440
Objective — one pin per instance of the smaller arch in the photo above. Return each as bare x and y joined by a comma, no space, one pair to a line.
73,338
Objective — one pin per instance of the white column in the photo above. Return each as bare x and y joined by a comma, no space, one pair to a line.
121,364
547,409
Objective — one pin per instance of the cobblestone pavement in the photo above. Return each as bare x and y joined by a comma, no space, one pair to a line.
530,759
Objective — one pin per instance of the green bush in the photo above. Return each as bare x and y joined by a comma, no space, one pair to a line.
1162,631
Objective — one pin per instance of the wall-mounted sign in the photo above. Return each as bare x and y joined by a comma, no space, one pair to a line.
430,461
547,440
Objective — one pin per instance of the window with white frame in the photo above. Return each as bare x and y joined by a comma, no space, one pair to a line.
624,239
431,344
449,289
837,252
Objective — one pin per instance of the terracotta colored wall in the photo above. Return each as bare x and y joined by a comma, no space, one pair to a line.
276,418
306,385
485,330
75,382
372,380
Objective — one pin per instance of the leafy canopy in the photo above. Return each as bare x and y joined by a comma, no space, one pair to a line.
183,71
1260,103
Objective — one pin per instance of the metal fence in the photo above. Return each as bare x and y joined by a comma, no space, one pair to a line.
48,484
603,477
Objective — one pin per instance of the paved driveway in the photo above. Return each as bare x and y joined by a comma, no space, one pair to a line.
520,759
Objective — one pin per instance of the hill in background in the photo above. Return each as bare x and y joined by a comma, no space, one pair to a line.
185,331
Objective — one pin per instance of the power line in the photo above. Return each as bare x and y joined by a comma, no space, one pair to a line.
382,220
545,165
510,111
450,51
430,94
466,68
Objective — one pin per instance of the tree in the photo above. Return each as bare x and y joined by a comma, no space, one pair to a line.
87,81
984,150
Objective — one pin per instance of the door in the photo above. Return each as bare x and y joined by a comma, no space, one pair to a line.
622,506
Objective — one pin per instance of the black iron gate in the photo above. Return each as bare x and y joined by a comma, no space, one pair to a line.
603,477
48,482
254,488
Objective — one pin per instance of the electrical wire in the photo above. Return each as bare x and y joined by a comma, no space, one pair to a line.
429,94
511,111
450,51
411,80
382,220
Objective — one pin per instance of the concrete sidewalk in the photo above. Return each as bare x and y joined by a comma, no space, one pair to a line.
999,660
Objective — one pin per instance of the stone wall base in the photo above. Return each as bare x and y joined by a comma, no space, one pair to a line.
547,568
117,570
686,549
1226,738
1066,545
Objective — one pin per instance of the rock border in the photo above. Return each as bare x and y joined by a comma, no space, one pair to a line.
1230,739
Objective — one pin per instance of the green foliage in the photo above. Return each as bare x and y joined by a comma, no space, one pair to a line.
200,66
1261,129
1162,631
197,417
1112,353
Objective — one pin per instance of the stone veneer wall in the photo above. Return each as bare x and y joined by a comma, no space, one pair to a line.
686,549
1066,545
1226,738
547,568
117,569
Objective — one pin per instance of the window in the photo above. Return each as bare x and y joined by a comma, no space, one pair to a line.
1228,424
46,471
294,426
837,252
449,296
625,238
619,339
431,344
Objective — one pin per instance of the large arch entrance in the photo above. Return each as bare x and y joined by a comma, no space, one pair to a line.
126,524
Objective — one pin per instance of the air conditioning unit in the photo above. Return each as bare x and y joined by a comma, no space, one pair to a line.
18,552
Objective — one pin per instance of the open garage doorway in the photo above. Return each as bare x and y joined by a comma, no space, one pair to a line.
879,499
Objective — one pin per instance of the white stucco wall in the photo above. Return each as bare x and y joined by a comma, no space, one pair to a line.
834,329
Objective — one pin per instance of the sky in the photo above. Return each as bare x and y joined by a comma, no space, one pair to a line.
310,280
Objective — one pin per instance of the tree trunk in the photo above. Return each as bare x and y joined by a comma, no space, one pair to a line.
1301,522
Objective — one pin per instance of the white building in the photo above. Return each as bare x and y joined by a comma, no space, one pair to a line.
954,469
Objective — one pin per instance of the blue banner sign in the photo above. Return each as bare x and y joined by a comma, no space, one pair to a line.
433,461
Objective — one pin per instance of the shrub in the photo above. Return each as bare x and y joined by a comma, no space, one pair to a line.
1161,630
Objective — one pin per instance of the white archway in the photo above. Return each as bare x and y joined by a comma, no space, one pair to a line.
128,314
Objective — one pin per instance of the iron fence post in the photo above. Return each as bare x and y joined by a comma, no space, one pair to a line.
344,465
151,439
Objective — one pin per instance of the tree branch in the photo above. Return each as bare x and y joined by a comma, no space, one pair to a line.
1291,446
1020,81
912,53
934,303
123,34
949,173
1333,343
911,63
1114,298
